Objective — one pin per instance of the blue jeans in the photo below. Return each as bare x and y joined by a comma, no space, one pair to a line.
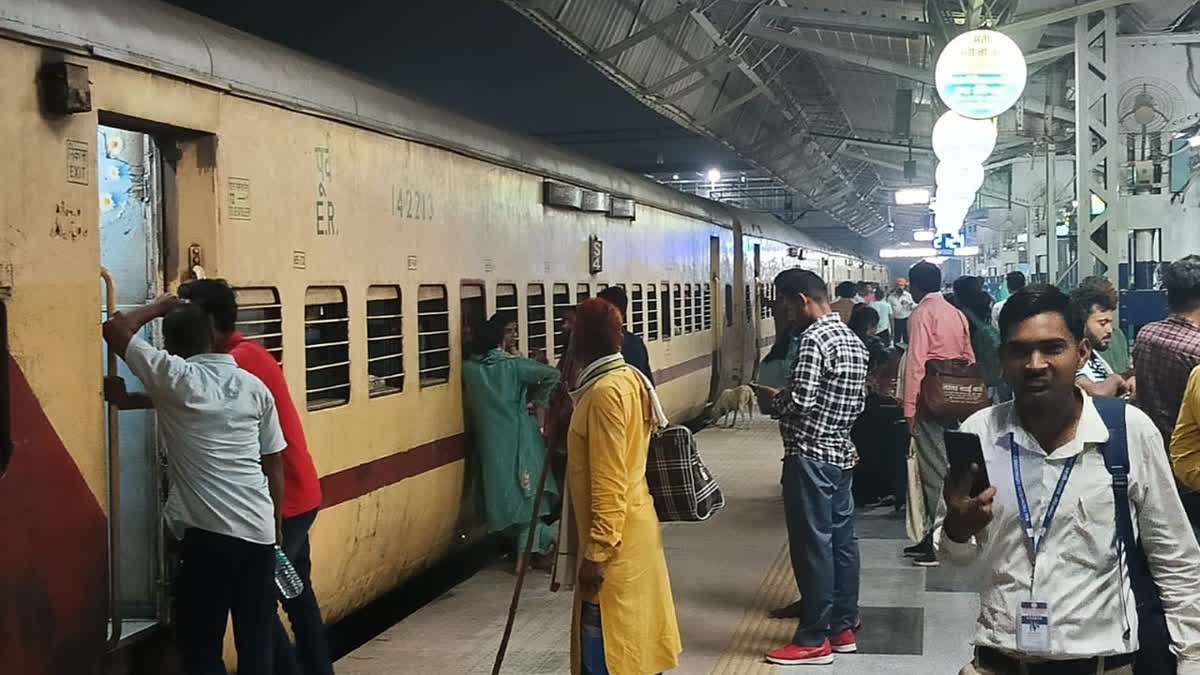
591,640
819,509
311,654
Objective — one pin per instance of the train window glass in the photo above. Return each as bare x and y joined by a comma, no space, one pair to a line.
535,317
433,335
749,305
689,310
621,286
385,341
706,317
506,304
677,304
326,347
259,318
600,287
582,292
562,302
728,305
762,300
651,312
665,318
639,310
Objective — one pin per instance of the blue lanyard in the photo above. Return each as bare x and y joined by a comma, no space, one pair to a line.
1035,542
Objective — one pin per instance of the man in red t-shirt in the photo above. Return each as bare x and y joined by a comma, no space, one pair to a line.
302,487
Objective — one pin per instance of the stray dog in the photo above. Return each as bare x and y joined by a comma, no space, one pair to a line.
732,401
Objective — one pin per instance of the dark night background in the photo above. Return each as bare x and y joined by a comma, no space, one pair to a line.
482,59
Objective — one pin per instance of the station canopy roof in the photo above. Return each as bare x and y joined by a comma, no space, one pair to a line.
804,92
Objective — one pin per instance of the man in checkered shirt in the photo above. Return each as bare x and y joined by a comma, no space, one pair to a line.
817,408
1164,353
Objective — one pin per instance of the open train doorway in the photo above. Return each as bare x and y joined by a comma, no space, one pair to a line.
129,180
472,314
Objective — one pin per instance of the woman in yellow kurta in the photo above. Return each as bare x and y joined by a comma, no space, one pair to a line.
624,592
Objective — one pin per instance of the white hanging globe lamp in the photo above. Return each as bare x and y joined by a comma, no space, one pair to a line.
981,74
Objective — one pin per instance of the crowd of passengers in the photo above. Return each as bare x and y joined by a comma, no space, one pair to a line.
1077,511
1080,506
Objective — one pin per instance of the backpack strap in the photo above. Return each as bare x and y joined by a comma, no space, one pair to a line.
1116,460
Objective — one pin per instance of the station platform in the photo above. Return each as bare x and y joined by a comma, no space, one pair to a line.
726,574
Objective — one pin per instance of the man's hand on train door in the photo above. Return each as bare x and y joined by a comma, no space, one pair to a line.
591,576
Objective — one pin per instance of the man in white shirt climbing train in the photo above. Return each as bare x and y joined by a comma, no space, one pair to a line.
222,438
1061,588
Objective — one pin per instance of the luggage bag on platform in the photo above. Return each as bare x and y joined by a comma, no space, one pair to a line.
682,487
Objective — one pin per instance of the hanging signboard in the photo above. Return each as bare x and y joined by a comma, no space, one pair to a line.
981,74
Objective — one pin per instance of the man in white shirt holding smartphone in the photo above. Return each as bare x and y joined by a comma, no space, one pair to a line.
1055,594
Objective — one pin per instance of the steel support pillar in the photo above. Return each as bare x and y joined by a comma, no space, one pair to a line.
1098,144
1051,217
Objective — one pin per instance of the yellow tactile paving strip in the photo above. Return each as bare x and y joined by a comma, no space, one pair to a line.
756,632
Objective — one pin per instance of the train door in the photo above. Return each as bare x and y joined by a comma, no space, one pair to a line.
472,313
129,179
472,310
716,314
755,304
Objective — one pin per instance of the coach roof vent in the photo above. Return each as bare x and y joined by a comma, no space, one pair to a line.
562,195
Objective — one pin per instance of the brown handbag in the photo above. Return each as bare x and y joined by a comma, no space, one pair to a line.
953,389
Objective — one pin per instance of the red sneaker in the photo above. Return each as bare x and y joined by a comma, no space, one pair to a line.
797,655
843,642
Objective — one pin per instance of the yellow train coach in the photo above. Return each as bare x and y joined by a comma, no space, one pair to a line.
361,228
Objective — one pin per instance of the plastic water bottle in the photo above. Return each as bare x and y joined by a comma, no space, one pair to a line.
286,577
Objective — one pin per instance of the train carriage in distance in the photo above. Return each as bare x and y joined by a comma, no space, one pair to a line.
361,228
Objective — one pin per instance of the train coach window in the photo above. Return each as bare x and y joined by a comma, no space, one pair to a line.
665,321
535,308
562,301
749,305
582,292
639,310
706,316
728,305
433,335
385,341
678,309
651,312
326,347
259,318
689,310
600,287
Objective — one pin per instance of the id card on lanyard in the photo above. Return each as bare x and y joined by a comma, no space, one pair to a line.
1033,626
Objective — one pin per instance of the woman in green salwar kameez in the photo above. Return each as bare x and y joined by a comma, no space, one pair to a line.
497,388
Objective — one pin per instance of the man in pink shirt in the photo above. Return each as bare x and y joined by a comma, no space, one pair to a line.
936,330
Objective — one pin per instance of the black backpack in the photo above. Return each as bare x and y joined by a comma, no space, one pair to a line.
1154,656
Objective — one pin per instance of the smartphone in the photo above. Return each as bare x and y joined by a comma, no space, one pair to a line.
963,450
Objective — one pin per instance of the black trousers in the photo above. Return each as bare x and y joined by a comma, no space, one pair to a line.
218,576
311,654
901,335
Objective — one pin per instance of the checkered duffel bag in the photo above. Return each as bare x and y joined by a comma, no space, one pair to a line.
682,487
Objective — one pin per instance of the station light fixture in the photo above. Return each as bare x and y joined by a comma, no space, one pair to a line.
714,175
674,176
959,139
907,252
966,251
959,177
923,235
936,259
912,197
